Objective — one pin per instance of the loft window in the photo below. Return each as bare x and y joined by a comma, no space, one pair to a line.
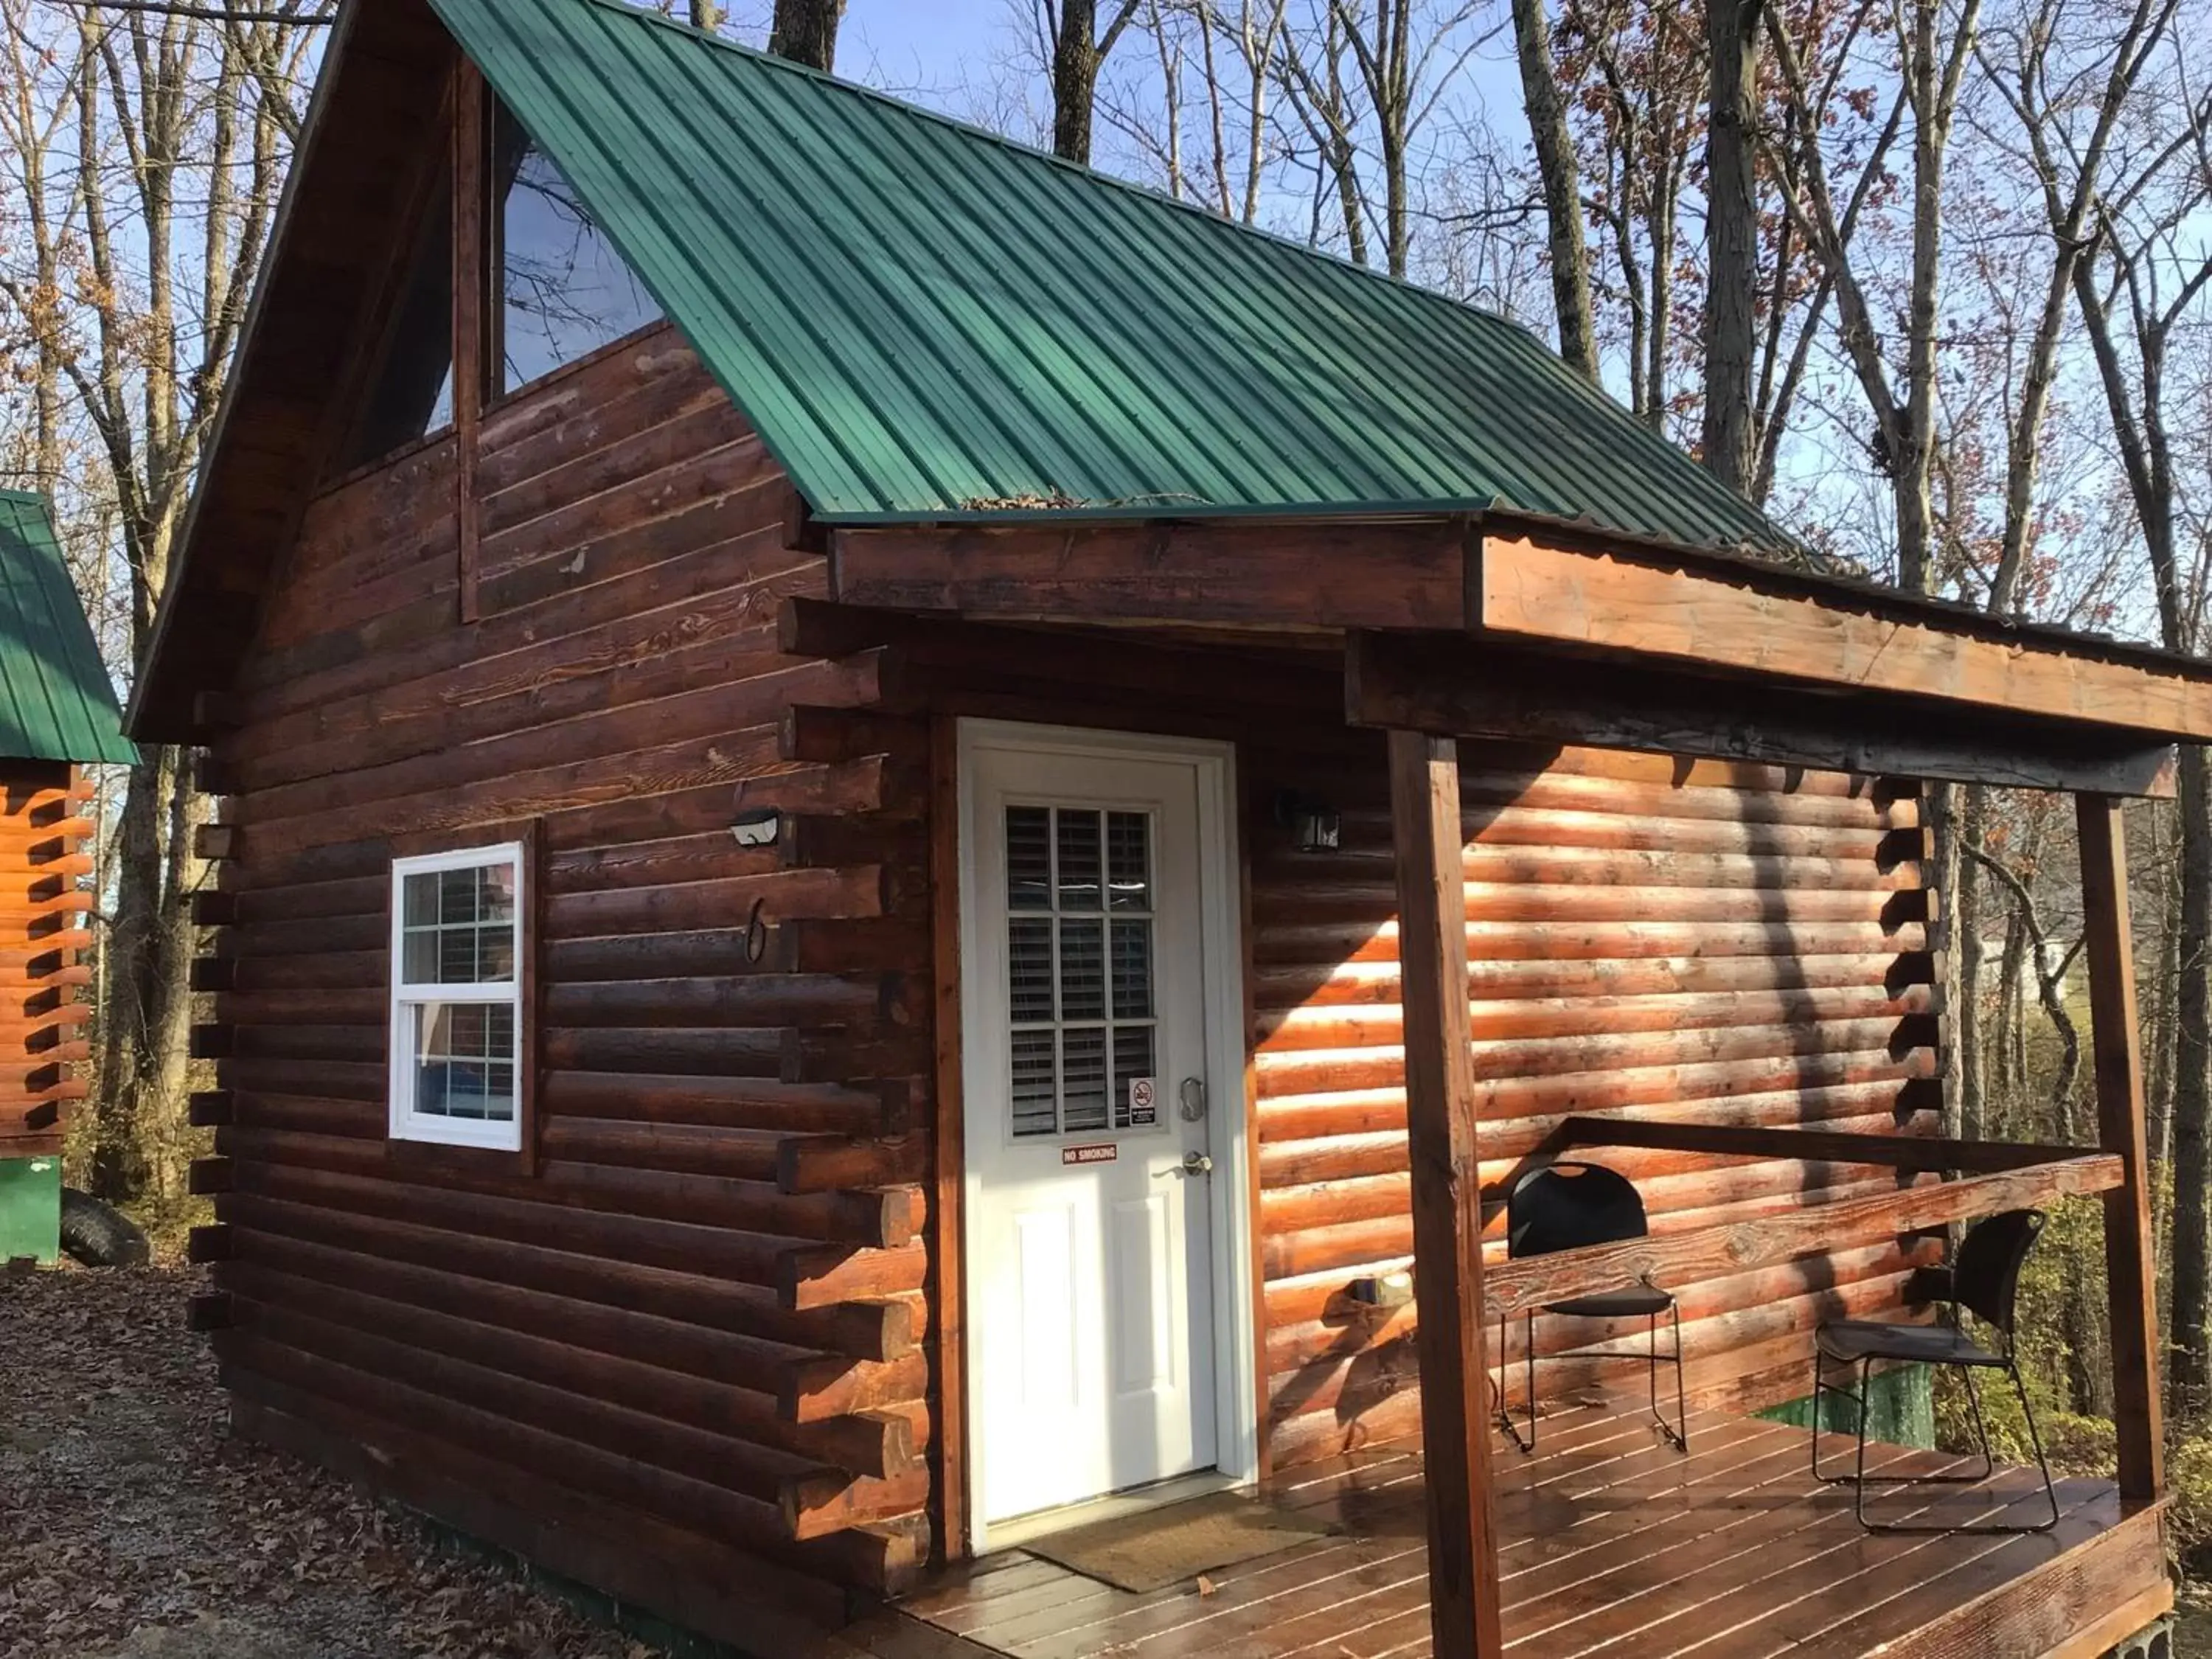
457,998
411,392
564,291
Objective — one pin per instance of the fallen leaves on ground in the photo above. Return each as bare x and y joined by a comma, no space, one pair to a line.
131,1525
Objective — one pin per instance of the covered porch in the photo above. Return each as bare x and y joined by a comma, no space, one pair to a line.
1503,629
1608,1543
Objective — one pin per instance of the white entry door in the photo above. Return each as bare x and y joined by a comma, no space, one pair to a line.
1091,1118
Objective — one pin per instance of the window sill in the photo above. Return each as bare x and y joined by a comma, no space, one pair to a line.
474,1158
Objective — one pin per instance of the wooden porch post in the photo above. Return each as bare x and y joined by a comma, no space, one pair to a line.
1425,804
2130,1272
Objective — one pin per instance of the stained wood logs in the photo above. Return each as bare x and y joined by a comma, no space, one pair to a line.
1649,940
695,1298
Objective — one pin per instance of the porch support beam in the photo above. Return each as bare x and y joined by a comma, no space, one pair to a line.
1480,688
1447,1198
2130,1271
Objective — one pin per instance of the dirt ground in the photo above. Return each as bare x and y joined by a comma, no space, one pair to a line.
131,1528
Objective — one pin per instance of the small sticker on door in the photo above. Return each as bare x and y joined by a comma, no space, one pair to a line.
1144,1094
1103,1151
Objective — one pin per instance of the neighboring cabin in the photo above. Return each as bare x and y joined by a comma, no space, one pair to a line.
57,711
799,897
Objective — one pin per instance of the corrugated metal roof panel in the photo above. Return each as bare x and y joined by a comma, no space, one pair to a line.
55,700
923,319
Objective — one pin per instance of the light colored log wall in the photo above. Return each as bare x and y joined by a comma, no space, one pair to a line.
45,834
1645,937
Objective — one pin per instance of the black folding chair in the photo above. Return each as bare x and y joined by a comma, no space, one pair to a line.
1565,1206
1982,1278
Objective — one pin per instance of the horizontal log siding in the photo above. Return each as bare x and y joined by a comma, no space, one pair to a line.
1645,938
698,1317
44,905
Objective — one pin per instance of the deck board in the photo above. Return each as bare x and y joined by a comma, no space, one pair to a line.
1612,1546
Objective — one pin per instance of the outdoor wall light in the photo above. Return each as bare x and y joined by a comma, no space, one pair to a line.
1314,825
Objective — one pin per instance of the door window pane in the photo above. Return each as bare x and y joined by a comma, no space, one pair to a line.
564,290
1029,858
1129,861
1082,970
1080,985
1078,859
1083,1078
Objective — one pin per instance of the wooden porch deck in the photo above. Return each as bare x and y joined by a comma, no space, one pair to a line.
1610,1544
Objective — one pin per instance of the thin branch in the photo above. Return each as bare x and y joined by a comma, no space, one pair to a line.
199,14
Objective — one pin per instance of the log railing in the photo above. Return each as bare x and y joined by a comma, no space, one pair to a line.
2014,1177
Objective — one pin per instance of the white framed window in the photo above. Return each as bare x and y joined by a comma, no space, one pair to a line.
457,946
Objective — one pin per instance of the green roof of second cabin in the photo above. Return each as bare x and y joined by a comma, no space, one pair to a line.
56,702
926,322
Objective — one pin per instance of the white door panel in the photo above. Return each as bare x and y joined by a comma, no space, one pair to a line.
1090,1250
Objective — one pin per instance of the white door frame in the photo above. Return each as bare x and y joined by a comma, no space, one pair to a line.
1235,1379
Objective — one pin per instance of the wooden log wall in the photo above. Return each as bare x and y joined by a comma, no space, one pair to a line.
44,835
1647,938
684,1328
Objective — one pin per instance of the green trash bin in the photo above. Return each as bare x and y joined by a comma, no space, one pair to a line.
30,1208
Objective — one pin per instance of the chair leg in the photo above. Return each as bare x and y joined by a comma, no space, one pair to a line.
1528,1359
1505,1399
1681,1395
2035,1439
1981,1429
1989,1468
1822,1389
1859,1484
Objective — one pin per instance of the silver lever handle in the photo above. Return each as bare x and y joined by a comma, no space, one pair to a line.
1197,1163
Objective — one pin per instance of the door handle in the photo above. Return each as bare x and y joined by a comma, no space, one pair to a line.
1194,1164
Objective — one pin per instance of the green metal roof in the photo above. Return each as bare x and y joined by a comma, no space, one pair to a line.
924,319
55,700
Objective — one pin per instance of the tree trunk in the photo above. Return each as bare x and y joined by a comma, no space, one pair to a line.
1075,60
1731,241
1940,804
805,32
146,1025
1561,173
1966,945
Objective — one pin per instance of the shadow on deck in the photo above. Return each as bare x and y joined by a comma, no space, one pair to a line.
1612,1545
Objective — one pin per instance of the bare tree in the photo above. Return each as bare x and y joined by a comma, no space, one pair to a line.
1935,59
1635,74
2134,289
1731,239
805,31
1401,56
165,174
1077,50
1560,172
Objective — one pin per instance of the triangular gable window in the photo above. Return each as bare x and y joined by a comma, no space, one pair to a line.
564,291
411,394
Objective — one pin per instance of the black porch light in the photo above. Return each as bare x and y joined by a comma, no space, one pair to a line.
1314,825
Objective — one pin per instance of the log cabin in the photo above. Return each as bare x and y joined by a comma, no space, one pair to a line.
907,840
57,713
